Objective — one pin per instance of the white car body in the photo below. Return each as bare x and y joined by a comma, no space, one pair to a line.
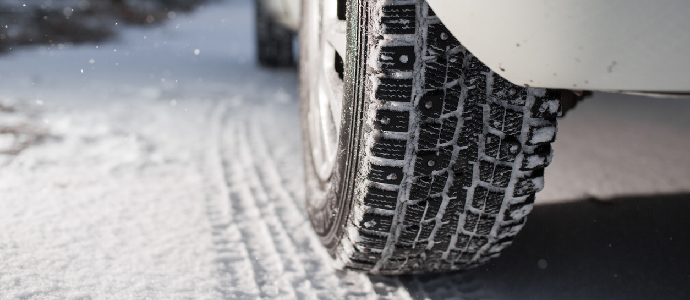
614,45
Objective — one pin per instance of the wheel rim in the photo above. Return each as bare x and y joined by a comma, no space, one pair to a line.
325,43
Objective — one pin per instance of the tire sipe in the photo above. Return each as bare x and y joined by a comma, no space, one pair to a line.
434,159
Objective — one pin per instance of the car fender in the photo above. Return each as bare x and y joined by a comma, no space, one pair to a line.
628,45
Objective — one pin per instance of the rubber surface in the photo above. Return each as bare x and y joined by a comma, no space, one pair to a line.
453,153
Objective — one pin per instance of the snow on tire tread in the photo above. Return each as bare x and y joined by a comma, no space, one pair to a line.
455,152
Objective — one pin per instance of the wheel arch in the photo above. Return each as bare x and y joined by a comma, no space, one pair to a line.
627,45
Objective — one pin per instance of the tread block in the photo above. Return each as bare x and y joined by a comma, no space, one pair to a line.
434,206
448,130
385,174
492,144
421,232
476,73
486,223
451,102
477,242
450,217
434,73
428,135
393,265
462,241
471,221
529,184
494,174
479,224
467,178
506,120
399,19
365,257
434,256
540,158
371,241
518,211
431,104
414,213
425,232
462,163
378,198
389,148
548,106
505,149
396,121
456,190
504,90
420,188
398,90
406,250
497,112
465,257
441,70
427,162
440,39
441,240
471,130
377,222
408,234
488,201
397,58
513,122
506,240
438,183
445,154
542,134
512,229
476,94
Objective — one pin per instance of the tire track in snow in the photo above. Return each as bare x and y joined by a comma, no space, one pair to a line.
269,270
293,270
305,244
233,269
349,283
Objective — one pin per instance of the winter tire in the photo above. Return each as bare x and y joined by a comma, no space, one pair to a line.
273,40
418,157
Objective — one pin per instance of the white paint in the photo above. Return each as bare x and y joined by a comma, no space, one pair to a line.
588,44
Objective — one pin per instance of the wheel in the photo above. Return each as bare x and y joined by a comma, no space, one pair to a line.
418,157
273,40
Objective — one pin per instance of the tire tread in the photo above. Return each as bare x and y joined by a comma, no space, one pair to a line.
472,159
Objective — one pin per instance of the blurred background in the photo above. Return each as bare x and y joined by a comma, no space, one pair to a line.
49,23
145,154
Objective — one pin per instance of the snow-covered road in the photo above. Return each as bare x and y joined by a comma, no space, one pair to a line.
171,169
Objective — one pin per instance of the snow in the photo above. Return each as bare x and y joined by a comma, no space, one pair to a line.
162,174
542,135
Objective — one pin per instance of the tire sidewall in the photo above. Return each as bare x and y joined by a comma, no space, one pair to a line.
329,202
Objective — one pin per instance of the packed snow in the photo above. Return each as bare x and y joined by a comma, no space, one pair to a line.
164,164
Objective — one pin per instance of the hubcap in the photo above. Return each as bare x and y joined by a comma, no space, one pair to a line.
325,44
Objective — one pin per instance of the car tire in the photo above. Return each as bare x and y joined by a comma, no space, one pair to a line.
435,159
273,41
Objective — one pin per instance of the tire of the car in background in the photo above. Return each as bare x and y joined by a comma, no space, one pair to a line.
438,157
273,40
